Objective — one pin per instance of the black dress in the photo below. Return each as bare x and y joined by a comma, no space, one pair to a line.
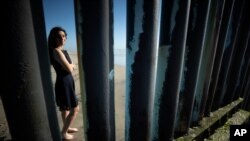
64,86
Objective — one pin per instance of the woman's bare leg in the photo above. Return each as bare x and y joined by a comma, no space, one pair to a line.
68,121
64,115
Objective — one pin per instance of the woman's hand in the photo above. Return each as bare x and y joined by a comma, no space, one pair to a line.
73,66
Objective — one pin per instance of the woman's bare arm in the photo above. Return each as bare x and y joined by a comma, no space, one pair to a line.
60,57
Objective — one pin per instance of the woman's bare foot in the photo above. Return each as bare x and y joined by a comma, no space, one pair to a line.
72,130
67,136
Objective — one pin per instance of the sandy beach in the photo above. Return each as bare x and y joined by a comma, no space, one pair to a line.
79,136
119,101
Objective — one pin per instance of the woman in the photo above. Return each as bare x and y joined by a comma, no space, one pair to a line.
64,86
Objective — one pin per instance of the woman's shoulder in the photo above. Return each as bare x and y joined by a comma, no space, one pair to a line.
58,51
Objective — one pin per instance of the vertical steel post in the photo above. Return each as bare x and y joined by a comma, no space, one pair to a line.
227,14
245,80
23,94
227,56
246,93
173,36
213,27
239,53
245,64
111,70
210,52
78,21
143,18
94,26
245,76
194,47
43,56
247,100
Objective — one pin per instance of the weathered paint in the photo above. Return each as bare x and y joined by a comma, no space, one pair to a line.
162,65
170,65
94,25
207,57
142,44
97,68
133,45
194,49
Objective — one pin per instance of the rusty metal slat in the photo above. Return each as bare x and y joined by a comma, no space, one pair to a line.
211,52
43,54
239,53
22,89
246,93
207,59
245,77
194,47
143,20
245,64
227,14
94,25
173,35
111,71
245,80
229,49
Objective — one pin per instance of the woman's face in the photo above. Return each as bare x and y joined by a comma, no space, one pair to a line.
63,37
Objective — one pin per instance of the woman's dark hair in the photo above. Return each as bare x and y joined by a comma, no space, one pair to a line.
54,40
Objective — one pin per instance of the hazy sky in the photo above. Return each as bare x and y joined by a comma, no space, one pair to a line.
61,13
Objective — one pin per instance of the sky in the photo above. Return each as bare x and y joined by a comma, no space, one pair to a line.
61,13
